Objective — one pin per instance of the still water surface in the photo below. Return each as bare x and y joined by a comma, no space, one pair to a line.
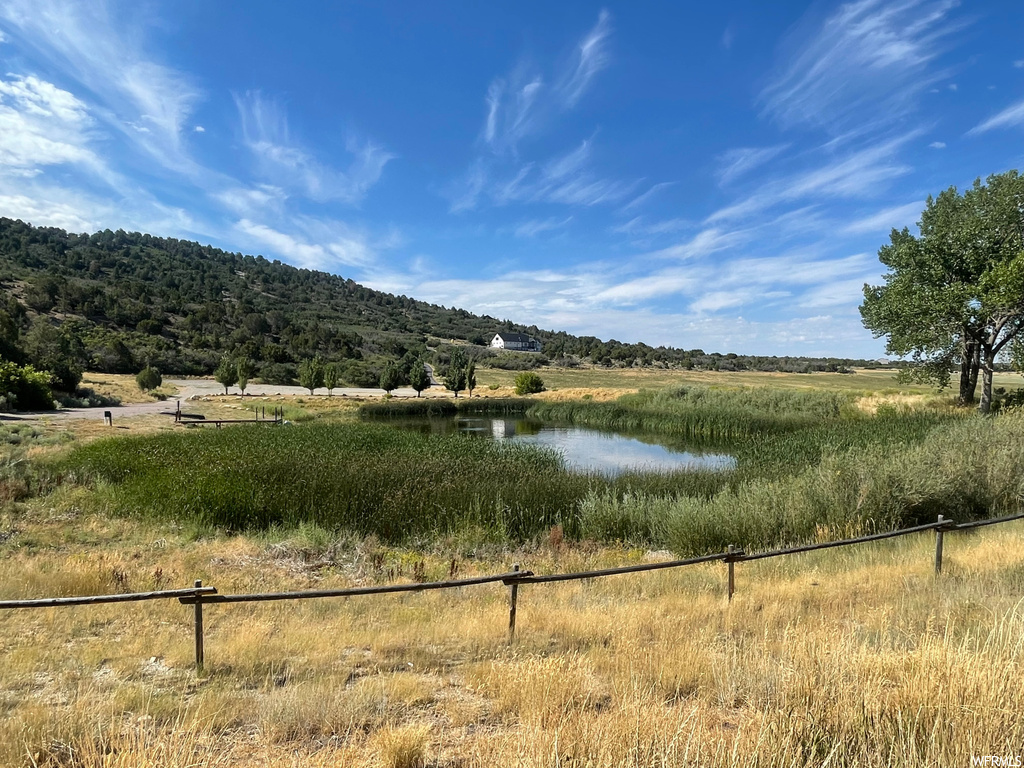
584,449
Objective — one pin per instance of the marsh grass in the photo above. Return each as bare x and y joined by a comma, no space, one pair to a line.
810,467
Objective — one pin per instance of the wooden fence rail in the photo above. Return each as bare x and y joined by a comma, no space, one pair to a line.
198,596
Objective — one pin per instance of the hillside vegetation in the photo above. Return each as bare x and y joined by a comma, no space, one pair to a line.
122,300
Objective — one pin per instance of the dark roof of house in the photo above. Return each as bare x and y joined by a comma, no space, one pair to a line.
522,338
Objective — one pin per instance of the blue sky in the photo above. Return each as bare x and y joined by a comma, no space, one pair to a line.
676,173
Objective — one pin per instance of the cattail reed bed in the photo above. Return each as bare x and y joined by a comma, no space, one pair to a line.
809,466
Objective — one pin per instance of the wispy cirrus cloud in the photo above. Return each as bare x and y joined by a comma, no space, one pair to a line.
314,243
564,179
884,220
869,55
286,164
99,47
644,197
1010,117
522,104
591,57
534,227
742,160
860,172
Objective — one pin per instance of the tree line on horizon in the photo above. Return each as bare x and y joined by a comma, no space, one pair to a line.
119,302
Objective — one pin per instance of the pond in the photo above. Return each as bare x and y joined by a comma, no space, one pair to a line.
587,450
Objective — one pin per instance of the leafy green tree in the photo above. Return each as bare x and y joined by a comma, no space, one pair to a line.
332,374
528,383
24,388
226,374
56,350
419,379
390,377
955,294
455,378
149,378
311,373
470,377
245,370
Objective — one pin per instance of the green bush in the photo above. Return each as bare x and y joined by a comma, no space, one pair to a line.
149,378
528,383
23,388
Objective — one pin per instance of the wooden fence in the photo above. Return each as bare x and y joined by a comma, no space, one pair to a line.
198,595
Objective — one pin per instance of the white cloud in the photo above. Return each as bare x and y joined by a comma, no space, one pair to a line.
520,103
1019,64
534,227
704,243
883,221
737,162
639,200
199,129
591,57
99,48
1008,118
861,172
838,293
937,145
638,226
3,37
42,125
867,56
322,245
251,201
284,163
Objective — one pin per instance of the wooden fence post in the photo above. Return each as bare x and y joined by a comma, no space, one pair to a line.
732,573
200,656
513,597
938,548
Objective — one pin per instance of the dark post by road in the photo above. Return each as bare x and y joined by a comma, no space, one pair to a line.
200,656
108,418
938,547
513,597
732,573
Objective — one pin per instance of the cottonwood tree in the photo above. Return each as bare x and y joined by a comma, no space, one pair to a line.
226,374
311,373
455,378
331,376
245,370
390,377
955,294
419,379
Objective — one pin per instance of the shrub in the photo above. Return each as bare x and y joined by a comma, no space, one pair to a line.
528,383
149,378
24,388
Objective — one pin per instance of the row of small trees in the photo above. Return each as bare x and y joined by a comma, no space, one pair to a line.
314,374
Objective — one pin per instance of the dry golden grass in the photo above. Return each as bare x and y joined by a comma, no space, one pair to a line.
855,656
123,387
624,379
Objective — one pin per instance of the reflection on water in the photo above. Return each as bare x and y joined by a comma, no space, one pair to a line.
584,449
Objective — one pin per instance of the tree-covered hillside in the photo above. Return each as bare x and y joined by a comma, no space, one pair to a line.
118,301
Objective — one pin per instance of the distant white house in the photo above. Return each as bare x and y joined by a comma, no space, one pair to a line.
516,342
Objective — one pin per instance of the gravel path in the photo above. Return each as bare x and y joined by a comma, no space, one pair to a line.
188,388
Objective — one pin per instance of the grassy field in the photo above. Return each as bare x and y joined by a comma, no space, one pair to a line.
862,381
859,656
